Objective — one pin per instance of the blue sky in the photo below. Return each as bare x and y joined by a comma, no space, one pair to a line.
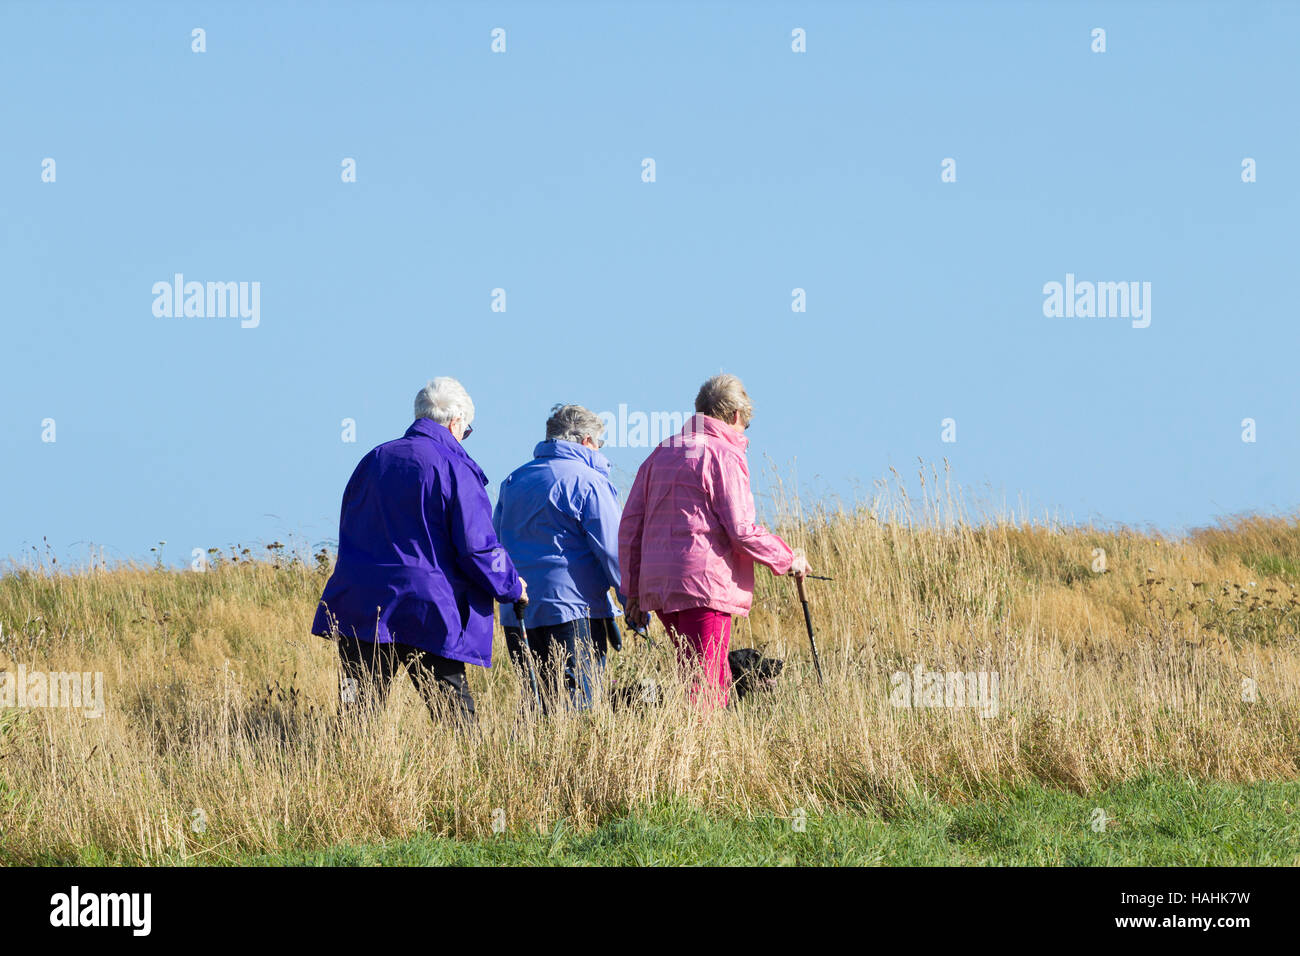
522,170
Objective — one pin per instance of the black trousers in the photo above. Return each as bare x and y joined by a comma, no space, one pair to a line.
571,654
369,668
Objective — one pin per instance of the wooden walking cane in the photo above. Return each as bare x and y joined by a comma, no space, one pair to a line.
807,620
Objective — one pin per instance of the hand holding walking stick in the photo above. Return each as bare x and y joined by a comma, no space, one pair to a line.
807,620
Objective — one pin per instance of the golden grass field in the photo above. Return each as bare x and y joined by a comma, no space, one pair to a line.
219,734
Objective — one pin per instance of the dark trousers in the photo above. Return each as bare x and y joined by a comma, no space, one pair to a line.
571,654
369,668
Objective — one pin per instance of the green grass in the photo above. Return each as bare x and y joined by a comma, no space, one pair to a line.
1273,564
1154,821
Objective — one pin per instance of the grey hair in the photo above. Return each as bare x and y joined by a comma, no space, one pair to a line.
444,399
722,396
574,423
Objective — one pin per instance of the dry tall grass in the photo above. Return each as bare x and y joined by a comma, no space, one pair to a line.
220,706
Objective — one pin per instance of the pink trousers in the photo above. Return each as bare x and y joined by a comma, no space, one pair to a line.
702,637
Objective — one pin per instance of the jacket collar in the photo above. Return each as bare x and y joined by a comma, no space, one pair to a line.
559,448
441,436
701,424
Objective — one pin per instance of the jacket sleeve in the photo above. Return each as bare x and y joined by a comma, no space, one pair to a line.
478,551
732,501
599,518
630,529
507,612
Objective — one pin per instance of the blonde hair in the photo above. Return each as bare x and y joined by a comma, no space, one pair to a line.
722,396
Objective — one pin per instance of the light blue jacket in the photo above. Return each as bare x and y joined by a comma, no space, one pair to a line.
557,517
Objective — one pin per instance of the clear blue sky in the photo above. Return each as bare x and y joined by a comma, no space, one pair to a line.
522,170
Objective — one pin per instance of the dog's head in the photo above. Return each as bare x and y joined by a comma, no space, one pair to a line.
751,671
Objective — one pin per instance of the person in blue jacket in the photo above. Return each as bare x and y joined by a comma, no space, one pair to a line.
419,563
558,518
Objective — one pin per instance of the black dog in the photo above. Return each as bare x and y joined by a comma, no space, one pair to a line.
751,673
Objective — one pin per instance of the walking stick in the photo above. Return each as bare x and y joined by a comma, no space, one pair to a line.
645,633
527,651
807,620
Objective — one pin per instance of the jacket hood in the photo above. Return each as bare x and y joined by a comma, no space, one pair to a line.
443,437
559,448
701,424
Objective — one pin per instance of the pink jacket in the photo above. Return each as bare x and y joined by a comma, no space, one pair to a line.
688,538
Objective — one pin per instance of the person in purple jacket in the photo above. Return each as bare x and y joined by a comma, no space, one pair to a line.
419,563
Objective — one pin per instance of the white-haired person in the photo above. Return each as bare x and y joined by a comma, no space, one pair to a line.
419,564
558,518
688,541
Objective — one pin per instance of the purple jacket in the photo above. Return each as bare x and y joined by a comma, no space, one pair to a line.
418,560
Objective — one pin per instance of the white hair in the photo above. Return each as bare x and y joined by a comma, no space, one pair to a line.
444,399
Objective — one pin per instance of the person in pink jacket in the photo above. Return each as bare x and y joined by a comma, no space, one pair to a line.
687,542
